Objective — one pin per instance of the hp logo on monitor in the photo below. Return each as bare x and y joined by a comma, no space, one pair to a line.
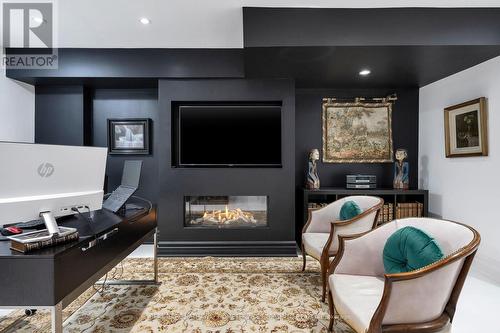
45,170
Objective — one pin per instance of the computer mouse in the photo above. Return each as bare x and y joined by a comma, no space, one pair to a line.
5,232
15,230
9,231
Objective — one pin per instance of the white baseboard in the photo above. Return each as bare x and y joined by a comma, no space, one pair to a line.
486,268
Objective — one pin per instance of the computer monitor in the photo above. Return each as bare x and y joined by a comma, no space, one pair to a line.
47,181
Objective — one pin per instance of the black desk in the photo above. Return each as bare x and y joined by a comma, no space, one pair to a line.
53,277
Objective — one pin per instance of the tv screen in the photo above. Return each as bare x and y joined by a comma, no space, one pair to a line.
229,135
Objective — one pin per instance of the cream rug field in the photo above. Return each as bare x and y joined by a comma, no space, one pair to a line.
213,295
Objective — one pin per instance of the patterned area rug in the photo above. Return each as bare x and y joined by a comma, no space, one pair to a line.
213,295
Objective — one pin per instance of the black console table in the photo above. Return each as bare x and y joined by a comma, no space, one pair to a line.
330,194
53,277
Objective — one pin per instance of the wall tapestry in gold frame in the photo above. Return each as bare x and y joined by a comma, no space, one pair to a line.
358,131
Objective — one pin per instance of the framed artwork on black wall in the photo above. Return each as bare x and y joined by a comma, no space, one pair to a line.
357,132
129,136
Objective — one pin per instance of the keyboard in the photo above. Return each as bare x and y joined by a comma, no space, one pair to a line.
118,198
30,224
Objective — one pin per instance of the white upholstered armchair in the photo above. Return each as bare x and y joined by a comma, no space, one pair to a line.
422,300
320,233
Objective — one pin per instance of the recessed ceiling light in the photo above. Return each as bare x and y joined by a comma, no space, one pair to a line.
364,72
144,20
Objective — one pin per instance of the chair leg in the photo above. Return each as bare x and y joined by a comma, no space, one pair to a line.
324,271
303,258
332,311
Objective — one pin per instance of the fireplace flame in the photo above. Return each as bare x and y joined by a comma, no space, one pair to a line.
228,216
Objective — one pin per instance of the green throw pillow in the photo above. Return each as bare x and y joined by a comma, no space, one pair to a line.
409,249
349,210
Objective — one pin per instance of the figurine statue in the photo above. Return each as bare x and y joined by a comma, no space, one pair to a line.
312,180
401,170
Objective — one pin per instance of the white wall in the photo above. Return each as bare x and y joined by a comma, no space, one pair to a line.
17,110
464,189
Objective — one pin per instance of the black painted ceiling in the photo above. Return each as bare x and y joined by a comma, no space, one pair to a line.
317,47
403,47
338,67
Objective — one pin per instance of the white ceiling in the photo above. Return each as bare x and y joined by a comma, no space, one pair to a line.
187,23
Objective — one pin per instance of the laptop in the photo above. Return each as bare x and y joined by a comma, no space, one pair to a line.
130,183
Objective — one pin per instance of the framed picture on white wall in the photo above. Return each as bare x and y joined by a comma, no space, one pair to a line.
466,129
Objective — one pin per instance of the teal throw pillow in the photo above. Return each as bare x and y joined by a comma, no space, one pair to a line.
349,210
409,249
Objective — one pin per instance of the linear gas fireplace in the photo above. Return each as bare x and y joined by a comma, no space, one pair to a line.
225,211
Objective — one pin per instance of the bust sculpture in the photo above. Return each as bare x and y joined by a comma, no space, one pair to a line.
401,170
312,178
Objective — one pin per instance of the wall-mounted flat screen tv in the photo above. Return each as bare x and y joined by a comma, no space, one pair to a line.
225,135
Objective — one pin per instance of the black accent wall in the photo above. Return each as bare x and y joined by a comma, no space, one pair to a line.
77,115
59,115
289,57
127,103
308,135
276,183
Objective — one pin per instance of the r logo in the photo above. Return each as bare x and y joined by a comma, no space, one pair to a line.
27,25
28,36
45,170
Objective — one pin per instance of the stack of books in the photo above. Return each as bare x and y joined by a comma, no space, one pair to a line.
36,240
317,205
409,209
386,214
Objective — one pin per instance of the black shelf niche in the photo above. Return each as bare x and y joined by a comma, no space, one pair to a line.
394,196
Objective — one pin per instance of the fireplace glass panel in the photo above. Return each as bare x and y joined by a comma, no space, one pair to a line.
235,211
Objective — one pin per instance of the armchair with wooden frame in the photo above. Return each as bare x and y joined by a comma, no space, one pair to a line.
423,300
320,233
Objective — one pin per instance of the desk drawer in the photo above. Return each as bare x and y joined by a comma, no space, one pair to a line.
26,281
77,265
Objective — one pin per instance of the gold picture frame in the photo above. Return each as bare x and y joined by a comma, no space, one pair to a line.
466,129
357,132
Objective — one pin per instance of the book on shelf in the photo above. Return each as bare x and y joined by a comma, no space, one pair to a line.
317,205
386,213
36,245
409,209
